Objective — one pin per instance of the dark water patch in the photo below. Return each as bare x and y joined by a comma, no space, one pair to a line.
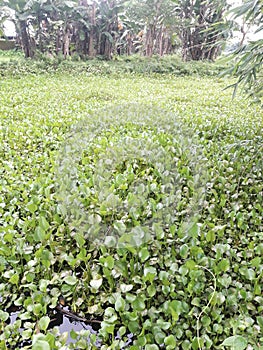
68,322
61,317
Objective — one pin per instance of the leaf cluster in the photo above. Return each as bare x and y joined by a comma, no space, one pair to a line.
198,143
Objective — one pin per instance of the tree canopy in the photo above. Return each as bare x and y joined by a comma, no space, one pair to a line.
198,29
109,27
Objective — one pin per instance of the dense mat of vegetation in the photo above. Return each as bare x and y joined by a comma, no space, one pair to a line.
137,199
12,63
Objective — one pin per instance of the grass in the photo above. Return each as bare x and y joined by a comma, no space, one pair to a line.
168,165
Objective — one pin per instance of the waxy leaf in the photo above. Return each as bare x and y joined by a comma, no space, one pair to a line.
236,342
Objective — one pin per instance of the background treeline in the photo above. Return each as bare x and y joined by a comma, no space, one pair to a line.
196,29
110,27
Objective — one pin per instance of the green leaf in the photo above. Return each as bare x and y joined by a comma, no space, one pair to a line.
144,254
71,280
149,273
151,347
14,279
236,342
110,241
159,336
27,333
106,327
31,207
79,237
96,282
37,309
210,236
256,262
175,308
4,315
206,321
43,323
141,341
126,287
94,219
151,290
120,227
170,342
223,265
197,344
41,345
43,223
260,322
39,234
184,250
43,285
108,262
119,304
138,304
110,315
191,265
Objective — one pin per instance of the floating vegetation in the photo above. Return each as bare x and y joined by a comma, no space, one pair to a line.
129,196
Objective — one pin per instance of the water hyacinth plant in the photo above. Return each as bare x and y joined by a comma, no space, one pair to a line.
126,210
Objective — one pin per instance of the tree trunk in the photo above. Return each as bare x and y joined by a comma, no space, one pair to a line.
185,37
129,44
25,40
161,37
66,42
167,43
107,49
91,51
149,42
58,42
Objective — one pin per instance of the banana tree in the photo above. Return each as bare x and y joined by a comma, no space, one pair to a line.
108,26
153,22
16,11
201,39
57,25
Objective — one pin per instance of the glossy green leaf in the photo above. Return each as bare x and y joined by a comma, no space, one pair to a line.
43,323
236,342
71,280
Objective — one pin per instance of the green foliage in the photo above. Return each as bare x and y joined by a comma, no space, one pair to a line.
248,58
236,342
120,65
248,69
158,287
93,28
10,55
199,29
